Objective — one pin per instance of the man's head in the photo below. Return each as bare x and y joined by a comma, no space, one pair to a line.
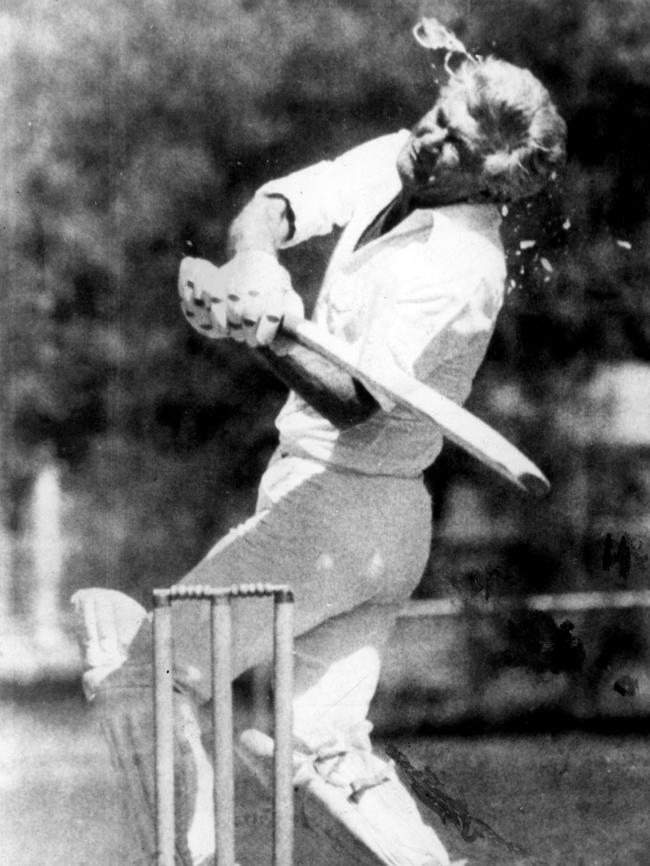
492,135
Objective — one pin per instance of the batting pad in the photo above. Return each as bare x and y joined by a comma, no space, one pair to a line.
106,622
363,815
125,712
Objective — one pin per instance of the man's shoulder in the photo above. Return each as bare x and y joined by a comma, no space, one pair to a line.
482,219
464,248
468,226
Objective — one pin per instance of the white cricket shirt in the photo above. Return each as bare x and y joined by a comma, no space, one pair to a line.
424,296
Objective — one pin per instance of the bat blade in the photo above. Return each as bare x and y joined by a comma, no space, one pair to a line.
460,426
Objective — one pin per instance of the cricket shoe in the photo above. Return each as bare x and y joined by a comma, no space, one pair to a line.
354,802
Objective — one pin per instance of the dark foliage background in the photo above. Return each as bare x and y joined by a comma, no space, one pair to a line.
131,131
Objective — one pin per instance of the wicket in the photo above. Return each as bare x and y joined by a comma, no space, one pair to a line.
222,717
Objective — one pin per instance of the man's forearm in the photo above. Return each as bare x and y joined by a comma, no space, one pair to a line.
339,398
264,224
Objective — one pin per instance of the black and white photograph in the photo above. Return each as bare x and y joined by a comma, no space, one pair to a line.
325,433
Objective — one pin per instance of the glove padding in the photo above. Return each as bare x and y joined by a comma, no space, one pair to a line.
244,300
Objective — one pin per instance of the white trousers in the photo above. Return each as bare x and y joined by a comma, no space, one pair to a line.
353,548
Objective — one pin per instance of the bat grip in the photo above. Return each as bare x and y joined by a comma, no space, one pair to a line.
290,331
290,326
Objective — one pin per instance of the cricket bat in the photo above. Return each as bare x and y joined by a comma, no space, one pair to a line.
397,386
460,426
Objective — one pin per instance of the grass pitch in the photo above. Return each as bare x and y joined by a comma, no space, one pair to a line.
569,799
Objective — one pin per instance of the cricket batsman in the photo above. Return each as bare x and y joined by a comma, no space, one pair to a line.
417,281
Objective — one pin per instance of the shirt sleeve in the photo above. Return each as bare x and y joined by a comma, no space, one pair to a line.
326,194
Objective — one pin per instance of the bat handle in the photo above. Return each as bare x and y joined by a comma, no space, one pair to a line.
290,326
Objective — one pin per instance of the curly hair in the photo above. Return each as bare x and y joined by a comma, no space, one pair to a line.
523,136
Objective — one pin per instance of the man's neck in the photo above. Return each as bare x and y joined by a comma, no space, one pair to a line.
435,198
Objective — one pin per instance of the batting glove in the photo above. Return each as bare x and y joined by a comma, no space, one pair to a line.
244,300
